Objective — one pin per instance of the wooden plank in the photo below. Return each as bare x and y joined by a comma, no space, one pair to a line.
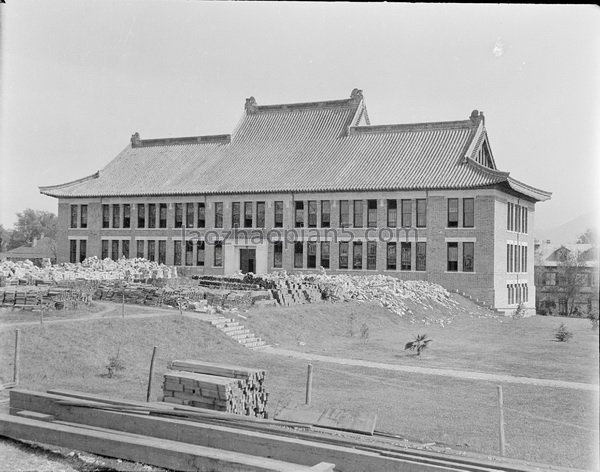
290,449
34,415
138,448
333,418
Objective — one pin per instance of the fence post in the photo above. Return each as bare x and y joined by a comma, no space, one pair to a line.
17,358
501,420
149,393
309,384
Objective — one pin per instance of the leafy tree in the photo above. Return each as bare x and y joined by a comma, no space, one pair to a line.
32,224
4,237
572,276
589,237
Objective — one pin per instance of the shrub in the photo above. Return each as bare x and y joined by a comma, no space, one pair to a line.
519,313
563,334
115,364
593,317
419,344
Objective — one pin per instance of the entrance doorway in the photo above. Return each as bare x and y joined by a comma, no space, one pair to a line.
247,260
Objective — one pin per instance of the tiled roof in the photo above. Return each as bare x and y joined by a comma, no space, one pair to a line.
305,147
548,255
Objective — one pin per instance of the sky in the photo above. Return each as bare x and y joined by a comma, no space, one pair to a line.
78,77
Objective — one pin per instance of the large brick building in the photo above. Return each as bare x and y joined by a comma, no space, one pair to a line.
309,185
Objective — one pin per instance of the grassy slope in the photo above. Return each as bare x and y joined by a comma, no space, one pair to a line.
474,340
545,425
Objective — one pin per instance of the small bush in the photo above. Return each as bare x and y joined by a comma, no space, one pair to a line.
519,313
563,334
593,317
419,344
364,333
115,364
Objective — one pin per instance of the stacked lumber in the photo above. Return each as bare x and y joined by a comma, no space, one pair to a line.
220,387
29,296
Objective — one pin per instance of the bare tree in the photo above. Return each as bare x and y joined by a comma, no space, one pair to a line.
572,276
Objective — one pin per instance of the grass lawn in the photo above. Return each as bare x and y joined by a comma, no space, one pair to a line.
472,340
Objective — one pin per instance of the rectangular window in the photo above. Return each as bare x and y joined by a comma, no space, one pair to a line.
125,248
162,251
151,215
421,212
218,219
127,215
508,216
518,219
189,215
343,255
83,216
391,255
73,250
177,253
468,212
405,256
510,257
371,255
524,259
357,255
392,213
452,257
468,257
218,254
312,214
116,219
452,212
200,253
406,206
278,254
311,254
83,250
189,253
235,214
104,249
141,215
105,216
247,214
114,250
421,256
139,249
517,258
325,213
372,213
525,224
550,278
152,250
201,215
325,248
299,214
358,213
162,215
73,216
178,217
278,209
344,213
298,254
260,214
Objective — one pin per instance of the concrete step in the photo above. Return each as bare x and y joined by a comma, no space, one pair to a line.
233,331
227,324
241,336
256,345
249,341
230,328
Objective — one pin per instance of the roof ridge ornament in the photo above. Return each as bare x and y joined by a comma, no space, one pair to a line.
477,115
251,105
356,95
135,140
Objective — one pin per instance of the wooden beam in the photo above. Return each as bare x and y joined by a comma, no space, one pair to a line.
138,448
293,447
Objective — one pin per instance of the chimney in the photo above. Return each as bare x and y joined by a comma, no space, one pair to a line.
135,140
251,106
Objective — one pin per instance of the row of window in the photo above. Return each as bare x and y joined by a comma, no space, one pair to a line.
516,258
584,279
309,214
517,293
516,218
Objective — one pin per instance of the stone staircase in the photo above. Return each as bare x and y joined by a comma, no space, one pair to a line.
236,331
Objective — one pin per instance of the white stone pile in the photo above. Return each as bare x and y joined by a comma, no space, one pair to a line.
92,268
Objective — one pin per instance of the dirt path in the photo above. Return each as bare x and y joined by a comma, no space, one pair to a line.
461,374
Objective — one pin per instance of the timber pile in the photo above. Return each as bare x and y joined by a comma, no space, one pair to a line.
220,387
49,297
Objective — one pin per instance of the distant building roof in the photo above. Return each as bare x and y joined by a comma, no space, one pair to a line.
42,248
304,147
549,255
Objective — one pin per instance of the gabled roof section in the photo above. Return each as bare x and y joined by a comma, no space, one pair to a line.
327,146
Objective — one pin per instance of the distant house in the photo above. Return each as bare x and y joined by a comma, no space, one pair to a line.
44,248
566,279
